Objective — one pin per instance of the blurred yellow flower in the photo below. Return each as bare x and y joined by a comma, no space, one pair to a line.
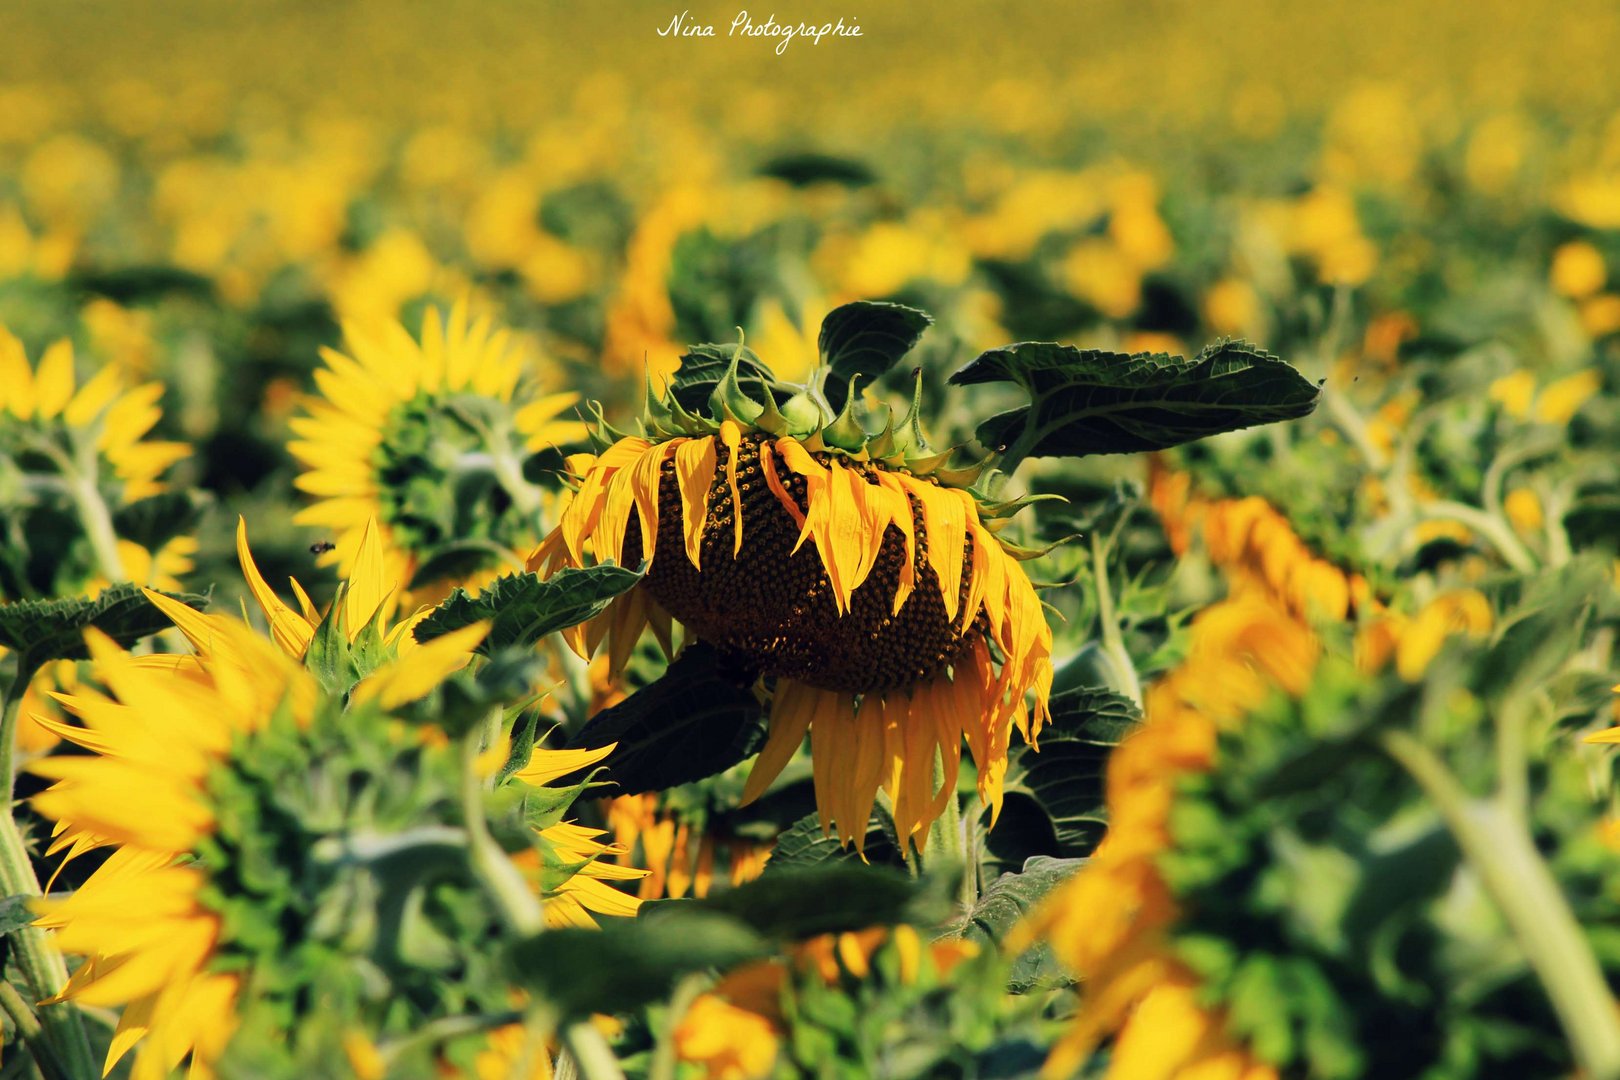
1562,399
1577,269
1523,509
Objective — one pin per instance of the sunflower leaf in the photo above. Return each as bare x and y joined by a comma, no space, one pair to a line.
1086,401
629,963
1055,802
804,844
44,630
694,721
157,519
828,898
866,338
1008,900
15,914
523,608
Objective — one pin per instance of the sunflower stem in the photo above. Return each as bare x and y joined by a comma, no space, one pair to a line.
443,1030
41,965
1502,852
517,903
1492,528
29,1031
664,1058
592,1056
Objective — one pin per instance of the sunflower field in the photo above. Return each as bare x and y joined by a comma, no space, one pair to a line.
1022,541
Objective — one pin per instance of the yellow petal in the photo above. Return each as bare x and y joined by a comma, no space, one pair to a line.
291,631
16,377
548,765
695,462
53,383
731,435
791,711
368,582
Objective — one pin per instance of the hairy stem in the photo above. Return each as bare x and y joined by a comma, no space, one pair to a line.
592,1056
1494,529
1502,852
516,901
41,965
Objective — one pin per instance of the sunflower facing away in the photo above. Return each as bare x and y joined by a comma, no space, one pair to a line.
854,571
86,444
428,437
167,923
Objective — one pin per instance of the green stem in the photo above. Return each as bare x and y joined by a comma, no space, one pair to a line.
1112,641
42,966
1503,854
443,1029
98,526
29,1031
1494,529
516,901
1559,552
664,1057
590,1051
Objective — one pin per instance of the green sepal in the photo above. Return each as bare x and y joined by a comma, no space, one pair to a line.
728,400
846,432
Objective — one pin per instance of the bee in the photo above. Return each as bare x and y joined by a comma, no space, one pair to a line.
321,547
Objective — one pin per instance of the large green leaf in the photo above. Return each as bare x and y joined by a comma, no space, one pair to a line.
629,963
45,630
523,608
866,338
693,722
827,898
803,844
1008,900
1055,801
1086,401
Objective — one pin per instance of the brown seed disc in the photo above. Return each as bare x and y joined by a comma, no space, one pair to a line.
774,609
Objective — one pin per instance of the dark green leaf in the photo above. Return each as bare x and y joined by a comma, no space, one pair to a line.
130,284
627,964
154,521
693,722
45,630
458,559
1094,402
803,844
1005,903
14,914
1055,800
808,167
866,338
523,608
808,900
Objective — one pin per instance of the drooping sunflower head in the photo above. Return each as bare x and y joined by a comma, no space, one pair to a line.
74,462
853,570
291,841
430,436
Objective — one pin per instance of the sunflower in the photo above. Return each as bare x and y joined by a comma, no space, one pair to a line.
195,740
429,437
855,572
85,443
1113,923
